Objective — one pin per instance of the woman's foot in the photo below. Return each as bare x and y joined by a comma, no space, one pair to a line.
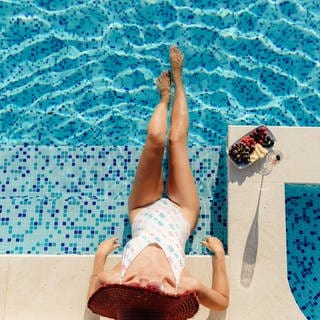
176,61
164,85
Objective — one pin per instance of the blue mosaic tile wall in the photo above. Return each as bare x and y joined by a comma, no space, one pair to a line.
61,200
303,246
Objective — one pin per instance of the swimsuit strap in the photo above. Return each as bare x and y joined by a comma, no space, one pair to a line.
130,252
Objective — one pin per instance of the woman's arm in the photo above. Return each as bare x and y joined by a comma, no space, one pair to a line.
104,249
216,297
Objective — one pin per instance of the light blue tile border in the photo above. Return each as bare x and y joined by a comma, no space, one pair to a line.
65,200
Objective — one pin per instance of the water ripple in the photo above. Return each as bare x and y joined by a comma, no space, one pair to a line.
74,72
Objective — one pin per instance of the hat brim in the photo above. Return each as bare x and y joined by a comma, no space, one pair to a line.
109,300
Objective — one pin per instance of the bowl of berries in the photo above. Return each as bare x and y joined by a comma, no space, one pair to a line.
251,147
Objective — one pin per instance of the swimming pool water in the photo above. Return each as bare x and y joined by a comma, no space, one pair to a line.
303,235
82,72
77,86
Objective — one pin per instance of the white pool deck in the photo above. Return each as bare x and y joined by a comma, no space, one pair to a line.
54,287
267,295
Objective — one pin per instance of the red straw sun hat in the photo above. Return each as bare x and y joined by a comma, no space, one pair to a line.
123,302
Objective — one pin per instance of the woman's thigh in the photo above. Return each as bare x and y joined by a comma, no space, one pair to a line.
181,187
148,184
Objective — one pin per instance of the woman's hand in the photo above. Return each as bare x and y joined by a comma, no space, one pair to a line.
214,245
107,246
104,249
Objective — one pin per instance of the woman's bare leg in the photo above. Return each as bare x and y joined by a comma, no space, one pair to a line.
181,187
148,183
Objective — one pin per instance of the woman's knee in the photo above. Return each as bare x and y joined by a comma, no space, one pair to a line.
156,137
177,137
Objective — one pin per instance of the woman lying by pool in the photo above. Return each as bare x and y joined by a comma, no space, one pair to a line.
152,281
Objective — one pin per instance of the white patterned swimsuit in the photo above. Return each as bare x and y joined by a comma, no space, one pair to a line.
164,224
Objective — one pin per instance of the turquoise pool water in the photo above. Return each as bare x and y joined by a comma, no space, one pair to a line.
77,86
303,250
82,72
